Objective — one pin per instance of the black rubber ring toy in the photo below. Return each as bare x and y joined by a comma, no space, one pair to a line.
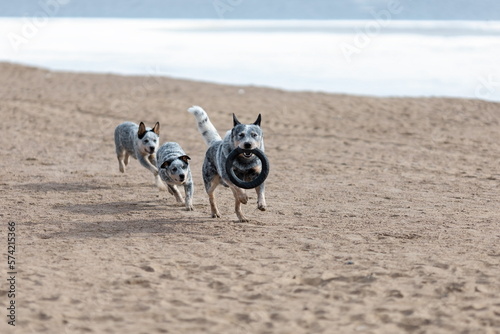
255,182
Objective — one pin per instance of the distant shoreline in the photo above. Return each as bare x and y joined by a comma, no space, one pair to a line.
240,88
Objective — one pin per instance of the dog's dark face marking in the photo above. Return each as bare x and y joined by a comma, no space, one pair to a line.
148,139
246,136
177,169
142,129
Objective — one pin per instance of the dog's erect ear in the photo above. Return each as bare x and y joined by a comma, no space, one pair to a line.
165,164
142,130
185,158
257,122
235,120
156,128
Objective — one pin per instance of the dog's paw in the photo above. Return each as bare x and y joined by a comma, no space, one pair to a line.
215,215
189,208
122,169
261,207
159,184
241,216
243,219
243,198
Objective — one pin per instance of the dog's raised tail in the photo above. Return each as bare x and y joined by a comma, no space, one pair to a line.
206,128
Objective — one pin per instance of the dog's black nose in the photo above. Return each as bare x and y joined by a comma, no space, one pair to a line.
247,146
181,176
152,149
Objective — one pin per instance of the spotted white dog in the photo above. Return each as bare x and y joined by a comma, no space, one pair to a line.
140,143
173,166
247,166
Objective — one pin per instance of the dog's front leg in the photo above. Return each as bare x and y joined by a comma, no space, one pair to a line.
172,188
152,159
159,183
239,197
150,163
188,190
261,198
147,163
238,193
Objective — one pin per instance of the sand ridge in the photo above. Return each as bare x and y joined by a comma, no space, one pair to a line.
382,212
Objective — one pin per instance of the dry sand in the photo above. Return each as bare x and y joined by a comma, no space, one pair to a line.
383,213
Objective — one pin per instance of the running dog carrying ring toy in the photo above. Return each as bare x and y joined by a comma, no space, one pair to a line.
255,182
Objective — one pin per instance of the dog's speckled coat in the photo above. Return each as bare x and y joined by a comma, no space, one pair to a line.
173,167
246,136
138,142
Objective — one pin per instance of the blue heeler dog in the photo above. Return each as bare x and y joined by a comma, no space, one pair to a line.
140,143
173,166
247,166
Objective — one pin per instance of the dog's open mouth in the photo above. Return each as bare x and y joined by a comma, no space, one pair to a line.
247,154
263,169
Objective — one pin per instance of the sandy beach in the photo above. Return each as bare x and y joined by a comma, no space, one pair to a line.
383,213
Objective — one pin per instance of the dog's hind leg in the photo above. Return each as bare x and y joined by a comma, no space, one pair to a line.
210,187
261,198
122,157
120,150
174,191
125,159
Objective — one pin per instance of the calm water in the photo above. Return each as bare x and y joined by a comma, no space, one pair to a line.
396,58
